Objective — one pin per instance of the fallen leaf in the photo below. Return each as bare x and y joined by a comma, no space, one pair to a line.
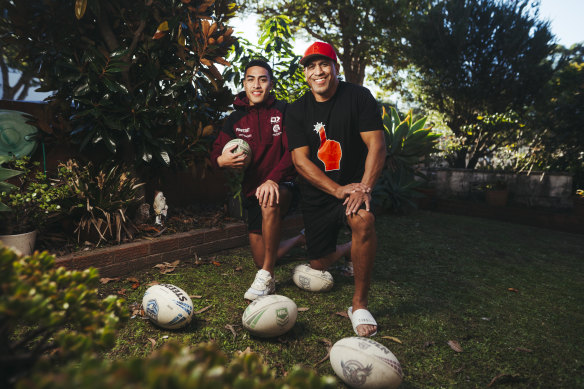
396,340
504,378
238,268
136,285
342,313
107,280
230,328
153,283
523,349
166,267
455,346
132,279
121,292
203,309
152,342
196,297
513,290
216,263
302,309
329,345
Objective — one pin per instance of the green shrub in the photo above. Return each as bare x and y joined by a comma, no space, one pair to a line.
50,314
175,366
408,143
31,202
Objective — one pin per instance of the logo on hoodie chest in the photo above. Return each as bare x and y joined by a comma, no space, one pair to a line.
243,132
276,129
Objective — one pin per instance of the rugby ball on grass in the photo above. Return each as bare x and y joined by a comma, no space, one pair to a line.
242,146
270,316
312,280
365,363
167,306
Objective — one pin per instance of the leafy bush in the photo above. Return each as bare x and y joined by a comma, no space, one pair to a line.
33,201
50,314
6,187
409,143
173,366
137,78
102,195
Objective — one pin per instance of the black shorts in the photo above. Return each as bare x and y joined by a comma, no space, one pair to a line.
322,226
254,211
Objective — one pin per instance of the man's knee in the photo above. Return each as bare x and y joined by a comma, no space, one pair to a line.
363,222
271,211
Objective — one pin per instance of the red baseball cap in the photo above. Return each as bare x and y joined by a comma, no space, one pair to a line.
321,49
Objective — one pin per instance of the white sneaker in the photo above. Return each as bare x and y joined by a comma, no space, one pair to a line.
263,285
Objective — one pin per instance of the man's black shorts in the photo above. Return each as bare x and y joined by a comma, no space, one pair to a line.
254,211
322,225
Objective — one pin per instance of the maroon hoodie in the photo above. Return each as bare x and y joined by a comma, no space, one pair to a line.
262,127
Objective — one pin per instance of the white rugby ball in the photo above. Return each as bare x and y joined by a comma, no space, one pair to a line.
312,280
167,306
242,146
269,316
365,363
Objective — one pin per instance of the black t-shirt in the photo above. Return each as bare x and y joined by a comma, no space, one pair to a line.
332,130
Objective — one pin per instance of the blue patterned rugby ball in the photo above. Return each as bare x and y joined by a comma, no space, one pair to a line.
167,306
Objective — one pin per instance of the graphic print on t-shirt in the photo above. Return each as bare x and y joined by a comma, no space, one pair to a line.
329,151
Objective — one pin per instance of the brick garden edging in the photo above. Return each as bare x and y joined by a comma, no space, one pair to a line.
123,259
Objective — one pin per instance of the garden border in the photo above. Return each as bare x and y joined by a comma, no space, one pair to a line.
123,259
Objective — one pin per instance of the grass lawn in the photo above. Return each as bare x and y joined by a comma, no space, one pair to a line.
510,295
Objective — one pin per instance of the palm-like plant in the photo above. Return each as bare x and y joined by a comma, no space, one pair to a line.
409,143
102,197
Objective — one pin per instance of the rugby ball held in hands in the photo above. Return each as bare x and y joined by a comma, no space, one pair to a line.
167,306
270,316
312,280
365,363
242,146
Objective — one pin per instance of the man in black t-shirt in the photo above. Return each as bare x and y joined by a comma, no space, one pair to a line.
335,135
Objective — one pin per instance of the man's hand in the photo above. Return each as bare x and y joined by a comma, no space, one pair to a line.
343,192
268,194
232,160
355,200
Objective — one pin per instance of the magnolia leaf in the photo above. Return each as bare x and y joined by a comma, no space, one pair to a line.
329,345
80,7
106,280
455,346
230,328
161,30
203,309
392,338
